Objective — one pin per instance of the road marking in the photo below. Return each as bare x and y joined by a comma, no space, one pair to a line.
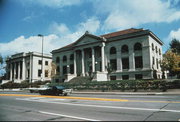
74,117
66,97
100,106
88,98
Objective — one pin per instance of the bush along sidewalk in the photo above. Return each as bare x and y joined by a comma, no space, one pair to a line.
119,85
23,84
123,85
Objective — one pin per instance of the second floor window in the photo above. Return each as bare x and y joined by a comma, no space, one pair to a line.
46,62
40,62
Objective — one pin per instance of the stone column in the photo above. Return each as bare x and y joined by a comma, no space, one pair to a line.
93,60
102,56
82,60
30,68
10,72
119,61
15,70
131,60
23,70
19,70
75,70
147,57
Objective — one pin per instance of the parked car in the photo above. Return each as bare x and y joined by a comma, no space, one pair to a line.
36,90
55,90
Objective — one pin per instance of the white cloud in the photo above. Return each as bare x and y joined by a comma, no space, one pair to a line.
60,29
67,35
63,36
33,43
174,34
91,25
123,14
53,3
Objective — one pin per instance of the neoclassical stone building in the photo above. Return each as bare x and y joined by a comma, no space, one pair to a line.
126,54
27,66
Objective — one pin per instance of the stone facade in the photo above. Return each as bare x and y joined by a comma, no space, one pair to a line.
27,66
127,54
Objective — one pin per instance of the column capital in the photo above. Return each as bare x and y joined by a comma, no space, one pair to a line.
102,44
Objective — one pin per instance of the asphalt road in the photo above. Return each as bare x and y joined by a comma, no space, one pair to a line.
82,107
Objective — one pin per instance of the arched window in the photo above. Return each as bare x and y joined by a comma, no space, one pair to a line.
152,47
113,50
71,57
64,58
137,47
57,59
124,49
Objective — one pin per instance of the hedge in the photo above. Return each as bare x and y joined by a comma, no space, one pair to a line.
23,84
122,85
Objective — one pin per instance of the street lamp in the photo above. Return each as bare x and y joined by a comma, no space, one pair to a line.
40,35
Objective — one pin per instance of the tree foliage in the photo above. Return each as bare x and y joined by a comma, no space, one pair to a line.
170,62
1,59
175,46
53,69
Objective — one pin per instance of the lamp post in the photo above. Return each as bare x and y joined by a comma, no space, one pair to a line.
40,35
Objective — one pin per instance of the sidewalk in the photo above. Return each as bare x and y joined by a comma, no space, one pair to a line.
168,92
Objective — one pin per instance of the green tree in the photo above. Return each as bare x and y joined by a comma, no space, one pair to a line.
52,69
175,46
1,59
170,62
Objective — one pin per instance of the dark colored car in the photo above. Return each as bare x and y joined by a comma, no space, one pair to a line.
55,90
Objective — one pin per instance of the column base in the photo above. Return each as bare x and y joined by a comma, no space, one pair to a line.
100,76
69,77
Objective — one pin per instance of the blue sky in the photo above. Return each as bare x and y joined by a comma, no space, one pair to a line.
64,21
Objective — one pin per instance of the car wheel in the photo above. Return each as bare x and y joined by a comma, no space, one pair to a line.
65,94
41,93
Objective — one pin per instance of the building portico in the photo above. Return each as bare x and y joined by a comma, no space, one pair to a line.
27,66
120,55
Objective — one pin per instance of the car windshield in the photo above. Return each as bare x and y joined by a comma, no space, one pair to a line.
60,87
44,86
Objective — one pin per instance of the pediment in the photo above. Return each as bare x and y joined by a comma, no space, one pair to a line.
87,39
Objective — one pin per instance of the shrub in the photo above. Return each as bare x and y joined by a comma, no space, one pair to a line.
121,85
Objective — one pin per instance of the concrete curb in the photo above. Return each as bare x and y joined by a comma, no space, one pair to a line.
171,92
129,93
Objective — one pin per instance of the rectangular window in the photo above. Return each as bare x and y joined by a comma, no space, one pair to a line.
138,62
46,73
112,77
138,76
125,63
72,68
157,64
113,63
39,72
125,77
39,61
46,62
64,69
153,62
57,80
28,74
